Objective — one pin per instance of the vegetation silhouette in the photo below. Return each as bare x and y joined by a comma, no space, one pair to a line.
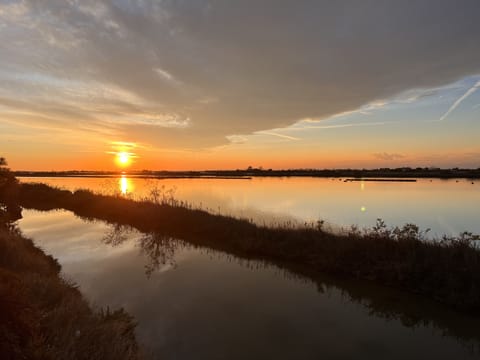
9,209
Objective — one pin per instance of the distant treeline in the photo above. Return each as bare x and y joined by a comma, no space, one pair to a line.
404,172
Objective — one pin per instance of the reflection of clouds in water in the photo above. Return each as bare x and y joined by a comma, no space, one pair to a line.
215,288
67,237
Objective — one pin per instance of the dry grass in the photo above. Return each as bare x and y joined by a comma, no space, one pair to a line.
44,317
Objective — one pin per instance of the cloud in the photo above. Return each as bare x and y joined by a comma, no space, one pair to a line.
459,100
336,126
228,68
167,76
237,139
282,136
417,94
388,156
117,147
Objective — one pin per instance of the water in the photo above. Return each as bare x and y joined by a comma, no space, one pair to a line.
194,303
444,206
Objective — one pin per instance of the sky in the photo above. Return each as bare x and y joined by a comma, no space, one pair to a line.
205,84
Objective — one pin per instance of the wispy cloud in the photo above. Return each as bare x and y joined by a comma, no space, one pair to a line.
338,126
277,135
165,75
237,139
280,132
117,147
388,156
459,100
363,110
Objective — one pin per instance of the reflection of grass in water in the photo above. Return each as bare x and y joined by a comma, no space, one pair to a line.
447,269
159,249
382,302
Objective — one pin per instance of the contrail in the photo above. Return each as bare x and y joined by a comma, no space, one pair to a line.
278,135
339,126
460,99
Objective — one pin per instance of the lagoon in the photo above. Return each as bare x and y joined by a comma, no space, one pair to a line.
193,302
444,206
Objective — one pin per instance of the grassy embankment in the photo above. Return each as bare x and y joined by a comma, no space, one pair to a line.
42,316
447,270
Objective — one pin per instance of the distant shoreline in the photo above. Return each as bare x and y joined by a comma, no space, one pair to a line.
398,174
138,176
375,179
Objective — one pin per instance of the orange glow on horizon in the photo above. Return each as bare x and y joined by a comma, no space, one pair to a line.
101,159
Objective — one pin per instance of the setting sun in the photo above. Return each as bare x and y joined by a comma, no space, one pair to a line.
123,158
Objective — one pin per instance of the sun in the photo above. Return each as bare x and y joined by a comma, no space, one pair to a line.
123,158
123,153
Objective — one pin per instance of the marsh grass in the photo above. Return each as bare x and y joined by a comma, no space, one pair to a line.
445,269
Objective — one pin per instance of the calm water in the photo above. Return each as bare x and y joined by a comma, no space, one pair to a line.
444,206
193,303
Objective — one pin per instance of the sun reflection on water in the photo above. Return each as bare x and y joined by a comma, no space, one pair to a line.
125,184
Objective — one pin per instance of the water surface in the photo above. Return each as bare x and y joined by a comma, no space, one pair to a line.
195,303
444,206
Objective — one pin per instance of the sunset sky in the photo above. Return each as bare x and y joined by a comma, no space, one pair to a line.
227,84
